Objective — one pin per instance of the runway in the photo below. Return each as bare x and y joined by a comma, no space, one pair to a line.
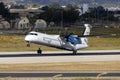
59,74
51,57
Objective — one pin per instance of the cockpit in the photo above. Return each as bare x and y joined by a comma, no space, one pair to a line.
33,34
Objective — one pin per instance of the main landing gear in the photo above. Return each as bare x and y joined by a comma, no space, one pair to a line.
39,51
74,52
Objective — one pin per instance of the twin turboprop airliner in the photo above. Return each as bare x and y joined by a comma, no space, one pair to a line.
69,42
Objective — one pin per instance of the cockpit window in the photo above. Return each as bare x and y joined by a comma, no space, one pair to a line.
33,34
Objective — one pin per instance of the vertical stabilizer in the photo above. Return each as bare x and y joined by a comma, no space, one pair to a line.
87,29
86,33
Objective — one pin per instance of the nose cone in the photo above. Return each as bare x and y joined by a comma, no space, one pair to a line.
27,38
31,38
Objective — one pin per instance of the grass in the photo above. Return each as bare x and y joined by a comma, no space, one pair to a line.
76,66
17,43
10,43
104,43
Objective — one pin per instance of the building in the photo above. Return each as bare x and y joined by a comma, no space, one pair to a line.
8,1
22,23
113,8
40,24
4,24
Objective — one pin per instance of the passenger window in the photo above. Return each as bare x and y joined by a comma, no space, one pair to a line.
36,34
33,34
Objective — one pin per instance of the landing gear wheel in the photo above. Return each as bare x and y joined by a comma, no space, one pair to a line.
28,45
39,51
74,52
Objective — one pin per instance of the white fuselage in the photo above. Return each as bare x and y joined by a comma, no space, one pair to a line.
54,41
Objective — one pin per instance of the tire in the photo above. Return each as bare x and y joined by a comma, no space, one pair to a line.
28,45
39,51
74,52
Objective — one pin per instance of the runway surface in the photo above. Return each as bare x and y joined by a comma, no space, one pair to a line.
60,74
49,57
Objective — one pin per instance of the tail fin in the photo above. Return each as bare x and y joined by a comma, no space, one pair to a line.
87,29
84,39
86,32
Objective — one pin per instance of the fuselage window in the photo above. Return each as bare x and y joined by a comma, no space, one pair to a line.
33,34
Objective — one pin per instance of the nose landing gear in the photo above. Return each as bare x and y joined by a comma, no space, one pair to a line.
28,44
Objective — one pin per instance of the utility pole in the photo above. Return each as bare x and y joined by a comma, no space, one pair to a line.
61,18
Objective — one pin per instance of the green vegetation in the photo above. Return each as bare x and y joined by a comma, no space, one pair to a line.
104,43
17,43
79,31
5,13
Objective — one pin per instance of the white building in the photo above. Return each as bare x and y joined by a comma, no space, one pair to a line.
22,23
40,24
113,8
85,8
4,24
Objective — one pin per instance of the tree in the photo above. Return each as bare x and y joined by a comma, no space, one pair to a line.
99,13
4,11
59,14
55,6
6,14
70,15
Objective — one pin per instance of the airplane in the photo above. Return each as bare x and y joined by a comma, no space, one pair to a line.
69,42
